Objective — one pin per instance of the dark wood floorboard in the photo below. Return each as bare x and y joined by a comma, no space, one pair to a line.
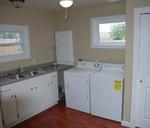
61,117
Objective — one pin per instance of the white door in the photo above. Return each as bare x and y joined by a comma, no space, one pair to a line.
64,47
9,107
77,93
144,88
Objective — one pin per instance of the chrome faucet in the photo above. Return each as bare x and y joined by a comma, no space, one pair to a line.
20,70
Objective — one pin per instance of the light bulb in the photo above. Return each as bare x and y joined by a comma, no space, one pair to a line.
66,3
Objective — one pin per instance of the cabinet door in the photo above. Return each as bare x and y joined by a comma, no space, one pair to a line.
42,91
26,98
53,88
9,107
1,125
77,93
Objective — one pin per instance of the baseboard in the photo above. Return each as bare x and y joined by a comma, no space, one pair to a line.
126,124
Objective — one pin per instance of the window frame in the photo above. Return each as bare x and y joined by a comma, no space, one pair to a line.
24,31
95,43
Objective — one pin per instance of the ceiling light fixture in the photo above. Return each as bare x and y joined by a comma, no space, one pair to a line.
66,4
17,3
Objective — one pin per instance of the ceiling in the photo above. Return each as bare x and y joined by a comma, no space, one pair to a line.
54,4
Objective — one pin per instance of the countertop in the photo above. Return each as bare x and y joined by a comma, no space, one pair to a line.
44,69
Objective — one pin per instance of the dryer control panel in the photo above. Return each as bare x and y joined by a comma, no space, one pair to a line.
89,65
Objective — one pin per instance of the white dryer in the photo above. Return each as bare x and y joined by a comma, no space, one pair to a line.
77,85
107,92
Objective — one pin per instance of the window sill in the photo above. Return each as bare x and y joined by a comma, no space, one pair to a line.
17,57
114,46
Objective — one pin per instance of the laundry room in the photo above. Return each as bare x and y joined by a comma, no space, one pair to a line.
74,63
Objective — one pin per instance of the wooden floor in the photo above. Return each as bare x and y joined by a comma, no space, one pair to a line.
61,117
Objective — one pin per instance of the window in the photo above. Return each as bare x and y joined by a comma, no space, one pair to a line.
14,43
108,32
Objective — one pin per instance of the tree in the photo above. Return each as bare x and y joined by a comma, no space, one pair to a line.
6,35
118,31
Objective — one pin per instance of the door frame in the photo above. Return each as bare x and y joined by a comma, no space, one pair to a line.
135,66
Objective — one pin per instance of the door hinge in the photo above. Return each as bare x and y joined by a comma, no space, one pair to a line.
17,106
87,81
3,122
87,97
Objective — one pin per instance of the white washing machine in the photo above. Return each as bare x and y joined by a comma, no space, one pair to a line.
77,85
107,92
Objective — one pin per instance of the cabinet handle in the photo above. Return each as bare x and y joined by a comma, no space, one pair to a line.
17,107
36,87
32,89
87,81
12,96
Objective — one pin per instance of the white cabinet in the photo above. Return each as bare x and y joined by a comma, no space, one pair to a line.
36,94
43,91
64,47
77,92
9,105
46,90
24,99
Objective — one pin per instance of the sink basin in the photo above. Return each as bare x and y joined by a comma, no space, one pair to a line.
6,76
19,76
37,72
34,73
